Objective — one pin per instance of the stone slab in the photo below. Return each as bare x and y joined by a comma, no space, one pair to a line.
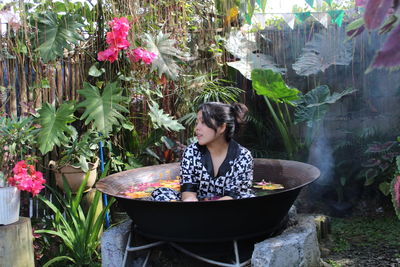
113,244
297,246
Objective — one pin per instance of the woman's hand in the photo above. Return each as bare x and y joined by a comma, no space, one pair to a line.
189,196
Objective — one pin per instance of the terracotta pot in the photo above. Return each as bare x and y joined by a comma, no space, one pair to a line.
9,204
75,176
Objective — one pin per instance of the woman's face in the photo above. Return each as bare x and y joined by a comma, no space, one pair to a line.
206,135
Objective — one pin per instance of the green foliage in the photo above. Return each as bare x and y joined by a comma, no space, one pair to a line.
313,106
374,232
166,54
216,90
81,150
54,125
56,33
270,84
79,232
162,120
104,108
272,87
379,162
16,141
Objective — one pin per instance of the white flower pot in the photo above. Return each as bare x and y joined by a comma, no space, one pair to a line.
9,204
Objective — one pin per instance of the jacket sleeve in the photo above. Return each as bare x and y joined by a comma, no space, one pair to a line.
187,171
240,183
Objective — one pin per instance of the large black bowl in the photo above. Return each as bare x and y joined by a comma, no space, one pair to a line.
211,220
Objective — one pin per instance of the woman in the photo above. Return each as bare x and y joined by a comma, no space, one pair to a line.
216,167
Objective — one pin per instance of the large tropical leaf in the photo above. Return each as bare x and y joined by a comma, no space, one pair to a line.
162,120
323,51
314,105
103,108
242,46
166,54
56,34
270,84
375,12
389,55
54,125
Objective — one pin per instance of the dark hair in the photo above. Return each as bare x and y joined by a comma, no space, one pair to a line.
215,114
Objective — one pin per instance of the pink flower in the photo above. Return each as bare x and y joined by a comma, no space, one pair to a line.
114,39
110,54
138,54
148,57
27,178
120,25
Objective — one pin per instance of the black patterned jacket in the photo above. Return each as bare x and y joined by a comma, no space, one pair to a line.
234,178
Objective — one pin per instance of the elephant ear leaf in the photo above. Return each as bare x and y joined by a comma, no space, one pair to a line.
103,108
314,105
54,125
56,34
270,84
322,52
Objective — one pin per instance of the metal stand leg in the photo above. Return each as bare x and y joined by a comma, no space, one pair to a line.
218,263
128,249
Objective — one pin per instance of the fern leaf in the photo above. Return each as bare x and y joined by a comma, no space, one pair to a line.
54,125
103,108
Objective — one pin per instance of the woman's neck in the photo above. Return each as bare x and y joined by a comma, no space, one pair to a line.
218,146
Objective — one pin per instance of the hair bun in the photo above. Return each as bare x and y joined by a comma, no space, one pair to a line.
240,112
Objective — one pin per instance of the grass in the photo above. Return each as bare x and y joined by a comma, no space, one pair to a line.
365,232
333,263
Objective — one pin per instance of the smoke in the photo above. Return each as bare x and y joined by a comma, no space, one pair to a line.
320,156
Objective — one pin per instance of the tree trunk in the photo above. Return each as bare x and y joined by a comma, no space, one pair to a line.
16,244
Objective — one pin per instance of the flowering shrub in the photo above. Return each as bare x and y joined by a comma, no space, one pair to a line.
117,41
26,178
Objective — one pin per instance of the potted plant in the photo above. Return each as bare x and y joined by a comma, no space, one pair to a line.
76,150
16,173
78,155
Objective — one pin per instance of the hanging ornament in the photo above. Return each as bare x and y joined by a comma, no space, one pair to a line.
260,19
289,18
310,3
337,16
322,18
302,16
